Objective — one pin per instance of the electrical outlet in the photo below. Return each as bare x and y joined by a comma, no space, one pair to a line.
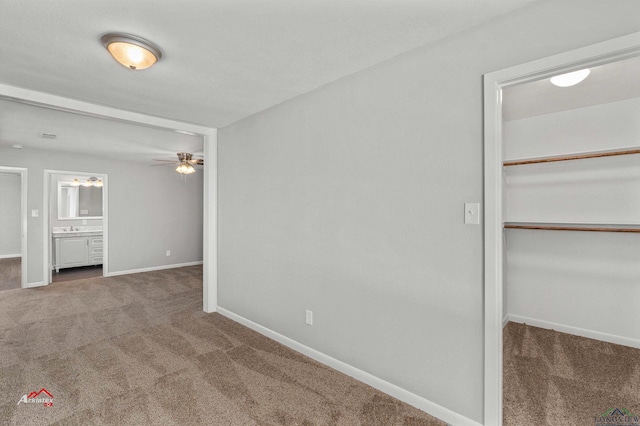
309,317
168,253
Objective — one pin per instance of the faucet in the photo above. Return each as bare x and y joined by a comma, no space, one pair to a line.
71,228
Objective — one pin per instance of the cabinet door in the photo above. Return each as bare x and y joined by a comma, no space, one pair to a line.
73,251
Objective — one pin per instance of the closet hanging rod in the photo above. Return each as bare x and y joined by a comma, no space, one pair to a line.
587,228
571,157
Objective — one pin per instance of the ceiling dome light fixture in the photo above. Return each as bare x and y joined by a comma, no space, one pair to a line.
131,51
571,78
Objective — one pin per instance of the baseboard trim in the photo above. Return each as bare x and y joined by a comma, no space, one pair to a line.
410,398
583,332
506,320
9,256
36,284
152,268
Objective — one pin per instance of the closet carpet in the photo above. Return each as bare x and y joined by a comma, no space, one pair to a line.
138,350
553,378
10,273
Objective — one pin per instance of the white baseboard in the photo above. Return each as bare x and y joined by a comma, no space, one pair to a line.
152,268
505,320
410,398
9,256
576,331
36,284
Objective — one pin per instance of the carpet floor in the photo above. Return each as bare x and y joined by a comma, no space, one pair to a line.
10,273
138,350
553,378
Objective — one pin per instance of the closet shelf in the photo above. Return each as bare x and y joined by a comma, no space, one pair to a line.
591,227
570,157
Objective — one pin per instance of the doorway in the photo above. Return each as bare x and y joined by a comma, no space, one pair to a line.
13,229
494,188
77,225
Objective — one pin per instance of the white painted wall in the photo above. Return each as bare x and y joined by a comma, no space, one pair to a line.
609,126
569,281
584,283
150,209
10,223
349,201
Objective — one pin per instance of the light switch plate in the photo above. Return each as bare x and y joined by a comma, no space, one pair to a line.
472,213
34,213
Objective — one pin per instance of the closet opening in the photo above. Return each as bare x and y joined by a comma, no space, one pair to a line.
562,250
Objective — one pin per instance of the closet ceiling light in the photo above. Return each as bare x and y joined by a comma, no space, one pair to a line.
571,78
131,51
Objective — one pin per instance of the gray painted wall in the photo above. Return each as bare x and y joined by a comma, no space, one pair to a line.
10,223
349,201
150,209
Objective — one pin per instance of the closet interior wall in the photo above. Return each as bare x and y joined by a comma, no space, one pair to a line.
584,282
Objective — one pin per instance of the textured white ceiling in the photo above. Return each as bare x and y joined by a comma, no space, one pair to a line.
224,59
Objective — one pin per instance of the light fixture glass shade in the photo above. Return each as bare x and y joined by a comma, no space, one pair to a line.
132,51
571,78
75,182
185,168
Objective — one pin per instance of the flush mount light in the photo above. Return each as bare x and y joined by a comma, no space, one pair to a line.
571,78
131,51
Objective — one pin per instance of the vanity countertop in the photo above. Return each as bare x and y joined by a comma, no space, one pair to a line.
78,231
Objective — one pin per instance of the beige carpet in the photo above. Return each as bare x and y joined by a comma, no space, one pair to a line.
138,350
10,273
552,378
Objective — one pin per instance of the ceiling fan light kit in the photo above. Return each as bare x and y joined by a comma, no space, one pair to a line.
185,163
131,51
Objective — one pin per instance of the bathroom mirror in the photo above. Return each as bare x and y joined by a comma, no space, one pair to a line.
79,202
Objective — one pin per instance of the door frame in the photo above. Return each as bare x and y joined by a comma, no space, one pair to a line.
598,54
23,219
210,142
47,243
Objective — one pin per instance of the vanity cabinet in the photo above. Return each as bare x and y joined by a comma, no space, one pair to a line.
77,250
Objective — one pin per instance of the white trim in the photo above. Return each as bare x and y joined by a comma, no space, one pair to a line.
506,320
410,398
153,268
10,256
36,284
210,223
60,103
23,172
210,237
577,331
597,54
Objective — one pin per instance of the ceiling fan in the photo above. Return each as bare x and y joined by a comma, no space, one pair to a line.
185,163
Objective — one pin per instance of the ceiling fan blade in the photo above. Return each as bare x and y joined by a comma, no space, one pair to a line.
164,164
165,161
197,161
